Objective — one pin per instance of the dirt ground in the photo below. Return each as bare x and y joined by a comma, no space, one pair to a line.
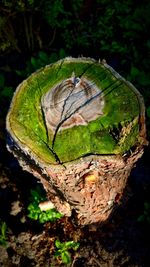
123,241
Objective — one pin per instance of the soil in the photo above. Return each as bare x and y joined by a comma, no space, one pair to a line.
122,241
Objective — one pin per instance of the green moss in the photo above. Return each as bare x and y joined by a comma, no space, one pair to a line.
73,144
28,125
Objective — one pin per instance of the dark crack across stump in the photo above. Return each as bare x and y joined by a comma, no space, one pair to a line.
79,127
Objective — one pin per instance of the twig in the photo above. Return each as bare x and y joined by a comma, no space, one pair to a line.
96,261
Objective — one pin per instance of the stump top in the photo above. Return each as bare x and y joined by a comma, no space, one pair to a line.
74,108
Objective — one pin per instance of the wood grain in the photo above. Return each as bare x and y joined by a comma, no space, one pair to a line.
74,101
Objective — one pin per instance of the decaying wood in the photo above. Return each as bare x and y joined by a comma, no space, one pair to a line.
92,185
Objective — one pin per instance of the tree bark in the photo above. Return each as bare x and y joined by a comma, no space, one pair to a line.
79,127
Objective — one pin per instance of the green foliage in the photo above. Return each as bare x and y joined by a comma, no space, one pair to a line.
53,10
100,28
52,215
62,250
3,231
18,5
34,63
5,91
43,216
145,217
138,77
111,27
35,212
42,59
37,195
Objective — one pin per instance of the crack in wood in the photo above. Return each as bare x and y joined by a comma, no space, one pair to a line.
69,113
87,102
65,100
46,129
57,113
76,93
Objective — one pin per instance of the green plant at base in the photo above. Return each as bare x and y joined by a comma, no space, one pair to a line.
35,212
62,250
145,217
3,229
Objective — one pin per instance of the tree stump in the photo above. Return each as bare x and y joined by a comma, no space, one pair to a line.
79,127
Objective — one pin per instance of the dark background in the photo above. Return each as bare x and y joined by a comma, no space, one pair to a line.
34,33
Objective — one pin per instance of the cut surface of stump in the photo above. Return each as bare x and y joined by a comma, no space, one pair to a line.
79,127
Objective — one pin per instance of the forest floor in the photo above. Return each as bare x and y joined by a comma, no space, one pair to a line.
123,241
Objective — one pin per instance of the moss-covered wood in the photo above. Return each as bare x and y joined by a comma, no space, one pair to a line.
114,131
73,111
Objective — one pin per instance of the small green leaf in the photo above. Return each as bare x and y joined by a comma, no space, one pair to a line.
33,215
66,258
76,246
59,215
3,229
144,79
21,72
69,244
58,244
49,216
7,92
34,62
72,244
147,205
62,53
57,253
43,56
134,72
41,217
141,218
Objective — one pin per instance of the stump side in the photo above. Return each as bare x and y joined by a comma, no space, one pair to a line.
93,186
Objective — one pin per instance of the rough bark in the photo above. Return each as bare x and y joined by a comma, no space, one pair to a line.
90,182
92,186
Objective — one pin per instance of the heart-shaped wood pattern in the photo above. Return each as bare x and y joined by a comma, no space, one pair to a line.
74,101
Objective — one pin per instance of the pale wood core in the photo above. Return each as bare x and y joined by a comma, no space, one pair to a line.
74,101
